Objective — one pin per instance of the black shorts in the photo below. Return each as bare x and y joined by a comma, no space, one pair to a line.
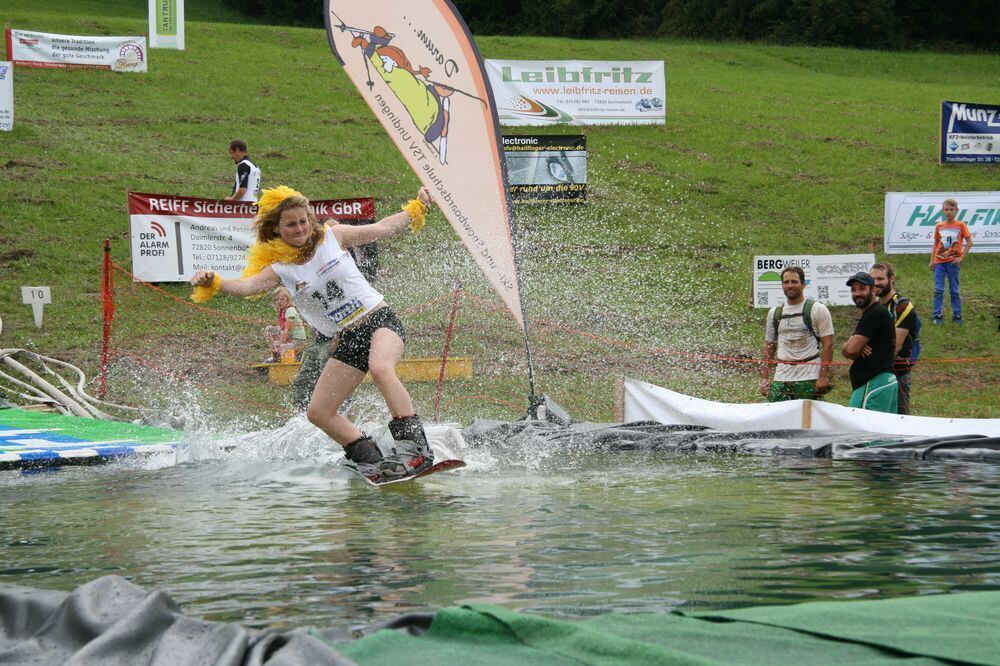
356,344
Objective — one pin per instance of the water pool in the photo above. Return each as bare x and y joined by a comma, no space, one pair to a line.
273,533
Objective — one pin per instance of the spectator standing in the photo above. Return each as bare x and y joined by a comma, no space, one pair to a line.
952,241
907,323
246,185
872,348
797,334
290,329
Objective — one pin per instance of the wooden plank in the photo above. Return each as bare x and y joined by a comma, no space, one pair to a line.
428,369
409,370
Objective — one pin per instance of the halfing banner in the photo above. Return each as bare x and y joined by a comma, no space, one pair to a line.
418,69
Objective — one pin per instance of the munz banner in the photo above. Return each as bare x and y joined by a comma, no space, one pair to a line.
970,133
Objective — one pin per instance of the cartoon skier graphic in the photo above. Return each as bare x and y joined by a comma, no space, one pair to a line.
428,103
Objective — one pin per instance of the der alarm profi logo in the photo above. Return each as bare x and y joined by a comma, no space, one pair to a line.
153,243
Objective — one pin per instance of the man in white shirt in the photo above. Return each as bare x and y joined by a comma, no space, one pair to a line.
799,336
246,185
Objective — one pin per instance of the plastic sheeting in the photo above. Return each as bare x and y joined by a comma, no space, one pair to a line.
645,401
556,429
111,622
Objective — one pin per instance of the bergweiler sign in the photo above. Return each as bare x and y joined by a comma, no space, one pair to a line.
826,277
970,133
910,218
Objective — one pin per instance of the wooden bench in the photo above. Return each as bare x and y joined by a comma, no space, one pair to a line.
409,370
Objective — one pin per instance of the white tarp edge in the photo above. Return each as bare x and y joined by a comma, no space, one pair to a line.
647,402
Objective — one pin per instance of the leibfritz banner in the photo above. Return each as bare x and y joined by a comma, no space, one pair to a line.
418,69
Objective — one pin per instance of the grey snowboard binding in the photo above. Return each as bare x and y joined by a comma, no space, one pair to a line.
410,454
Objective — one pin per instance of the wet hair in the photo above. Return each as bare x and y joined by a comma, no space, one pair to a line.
884,266
266,224
238,144
797,270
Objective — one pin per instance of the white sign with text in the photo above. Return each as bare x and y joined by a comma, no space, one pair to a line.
166,24
910,218
6,96
37,298
826,277
27,48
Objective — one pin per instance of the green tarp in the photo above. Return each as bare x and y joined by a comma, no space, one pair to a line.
959,628
86,429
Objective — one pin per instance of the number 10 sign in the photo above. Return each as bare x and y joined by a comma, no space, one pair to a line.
36,297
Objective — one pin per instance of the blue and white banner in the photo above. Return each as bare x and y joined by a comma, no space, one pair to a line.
910,218
579,92
6,96
970,133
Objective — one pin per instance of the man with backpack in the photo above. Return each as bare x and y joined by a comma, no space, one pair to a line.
907,323
799,336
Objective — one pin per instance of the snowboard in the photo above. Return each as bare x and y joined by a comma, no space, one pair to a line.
440,466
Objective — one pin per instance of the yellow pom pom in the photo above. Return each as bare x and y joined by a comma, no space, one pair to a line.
205,293
270,198
417,210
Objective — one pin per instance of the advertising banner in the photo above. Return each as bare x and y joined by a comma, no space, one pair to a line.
579,92
39,49
910,218
417,67
970,133
826,277
6,96
547,169
166,24
174,236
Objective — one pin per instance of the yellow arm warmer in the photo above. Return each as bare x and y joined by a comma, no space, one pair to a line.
417,210
205,293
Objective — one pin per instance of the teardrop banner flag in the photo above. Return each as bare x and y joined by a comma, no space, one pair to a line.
418,69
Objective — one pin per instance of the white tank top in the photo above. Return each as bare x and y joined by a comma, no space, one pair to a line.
328,290
253,181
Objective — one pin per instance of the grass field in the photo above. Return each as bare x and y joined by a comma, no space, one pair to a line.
766,150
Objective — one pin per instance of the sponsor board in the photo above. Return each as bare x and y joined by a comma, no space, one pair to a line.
28,48
546,169
6,96
910,218
166,24
578,92
174,236
417,67
826,277
970,133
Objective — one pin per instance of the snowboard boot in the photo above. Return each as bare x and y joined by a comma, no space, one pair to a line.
411,454
366,457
